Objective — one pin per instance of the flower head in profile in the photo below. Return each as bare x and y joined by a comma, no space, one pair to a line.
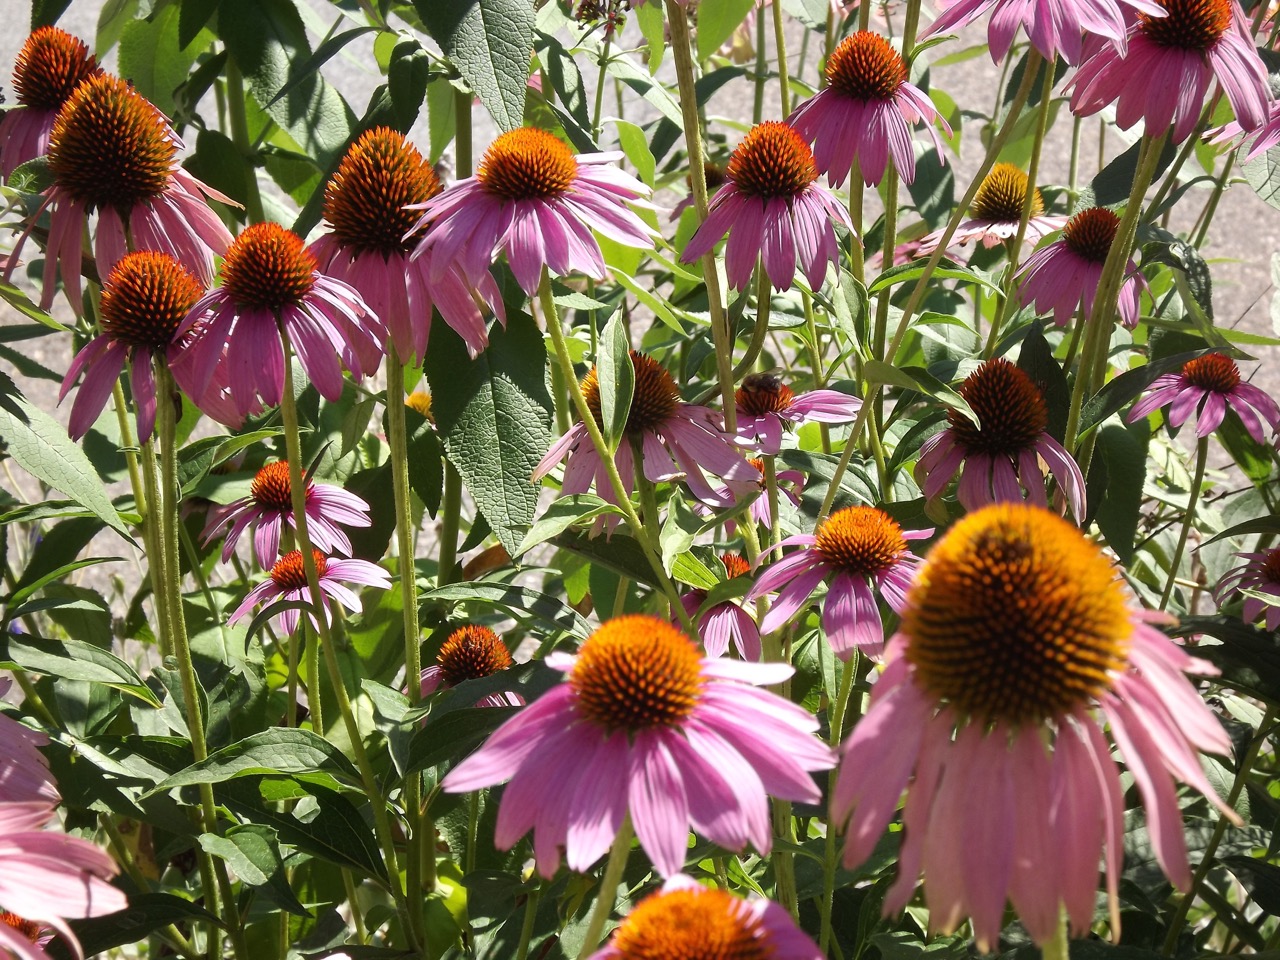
676,440
773,210
271,284
269,509
1063,276
692,922
865,113
714,175
1253,143
1208,386
767,406
857,550
997,213
370,246
1018,641
644,727
725,622
471,652
1259,574
1171,63
288,581
999,456
51,64
24,777
533,200
113,154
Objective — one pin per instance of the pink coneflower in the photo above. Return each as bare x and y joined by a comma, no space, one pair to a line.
1169,67
686,920
24,776
773,210
678,440
534,200
1017,640
51,64
997,212
1260,573
269,509
270,283
645,727
1064,275
470,653
1210,384
715,177
861,549
766,407
112,153
371,241
865,112
726,622
288,581
999,456
1259,141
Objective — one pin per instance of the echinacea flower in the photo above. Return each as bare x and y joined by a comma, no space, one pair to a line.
269,509
288,581
1169,67
1260,573
370,245
1018,641
471,652
24,774
767,406
271,285
996,213
860,550
773,210
689,921
999,456
1208,386
1064,275
678,440
50,65
725,622
646,728
112,153
1258,141
532,199
865,113
715,176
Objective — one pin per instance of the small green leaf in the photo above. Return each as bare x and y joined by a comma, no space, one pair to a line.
649,19
687,568
678,530
73,660
253,852
284,750
946,270
154,60
408,77
563,514
717,21
22,303
635,144
616,378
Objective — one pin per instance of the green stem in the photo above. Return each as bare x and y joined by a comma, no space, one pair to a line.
601,77
155,555
771,491
784,867
530,918
240,137
608,894
1073,167
1057,947
315,699
462,134
762,67
780,41
1188,520
450,519
357,915
830,854
1211,206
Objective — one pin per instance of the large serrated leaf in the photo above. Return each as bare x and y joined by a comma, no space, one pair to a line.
272,751
154,59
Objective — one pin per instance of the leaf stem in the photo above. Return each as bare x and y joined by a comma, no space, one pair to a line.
1188,519
608,895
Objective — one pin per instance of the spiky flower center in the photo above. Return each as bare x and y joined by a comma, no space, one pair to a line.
654,401
1002,194
692,924
109,147
1213,372
772,161
1016,617
420,400
865,67
862,541
271,487
28,928
1089,233
289,572
268,267
734,565
365,201
763,393
145,299
1190,24
637,672
1269,569
50,65
527,164
472,652
1012,415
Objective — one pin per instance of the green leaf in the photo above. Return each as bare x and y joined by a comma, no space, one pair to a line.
252,851
1260,878
1264,525
454,734
687,568
73,660
1117,394
22,303
408,76
153,59
490,42
45,13
282,750
946,270
194,15
1263,174
524,604
1113,184
494,415
1123,450
625,71
649,19
678,530
635,144
563,514
146,913
426,459
918,379
616,377
311,66
619,553
1249,658
27,590
717,21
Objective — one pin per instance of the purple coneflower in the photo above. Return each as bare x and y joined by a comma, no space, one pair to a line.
766,407
1259,141
715,176
1017,642
1210,384
471,652
24,775
997,212
534,200
270,285
999,456
1064,275
773,210
725,622
1170,65
288,581
1260,573
865,113
861,549
644,727
269,509
51,64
